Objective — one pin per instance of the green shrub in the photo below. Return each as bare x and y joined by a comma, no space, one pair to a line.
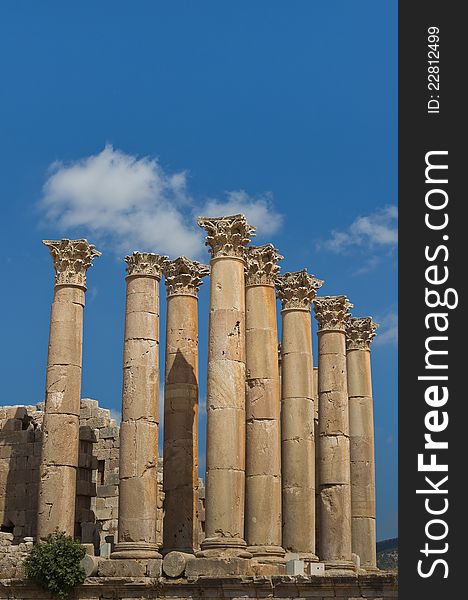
55,564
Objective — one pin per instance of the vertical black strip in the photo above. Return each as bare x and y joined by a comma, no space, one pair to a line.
428,256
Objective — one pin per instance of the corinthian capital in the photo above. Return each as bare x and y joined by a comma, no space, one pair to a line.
184,276
146,264
332,312
261,266
297,290
72,258
360,331
227,236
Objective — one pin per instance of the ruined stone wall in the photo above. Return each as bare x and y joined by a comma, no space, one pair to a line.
20,455
97,494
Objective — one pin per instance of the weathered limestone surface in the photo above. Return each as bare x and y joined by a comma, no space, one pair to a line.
140,409
97,494
181,532
359,335
317,461
59,460
225,451
332,313
263,450
296,292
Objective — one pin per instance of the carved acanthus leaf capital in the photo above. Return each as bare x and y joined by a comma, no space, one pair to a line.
72,258
184,276
297,290
227,236
261,267
360,331
332,312
145,264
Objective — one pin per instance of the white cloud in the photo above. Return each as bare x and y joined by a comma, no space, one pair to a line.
131,203
116,415
378,229
388,330
259,211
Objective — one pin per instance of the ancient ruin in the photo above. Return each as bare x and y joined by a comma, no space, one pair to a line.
289,505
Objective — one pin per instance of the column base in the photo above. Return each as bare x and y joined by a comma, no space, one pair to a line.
308,557
371,569
135,550
267,554
347,567
222,546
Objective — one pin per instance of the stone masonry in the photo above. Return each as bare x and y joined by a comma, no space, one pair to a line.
290,487
97,482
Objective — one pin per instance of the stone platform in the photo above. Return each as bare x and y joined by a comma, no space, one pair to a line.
373,586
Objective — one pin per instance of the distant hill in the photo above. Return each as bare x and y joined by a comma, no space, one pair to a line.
387,554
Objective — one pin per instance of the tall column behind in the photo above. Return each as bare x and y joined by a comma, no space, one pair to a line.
180,474
61,429
359,335
296,292
263,450
225,436
332,313
140,409
317,463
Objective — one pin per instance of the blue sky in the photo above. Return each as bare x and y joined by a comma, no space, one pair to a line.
120,122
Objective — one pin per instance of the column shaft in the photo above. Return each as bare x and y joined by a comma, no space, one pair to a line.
61,427
296,291
140,411
361,429
317,461
263,450
334,473
297,434
225,436
180,474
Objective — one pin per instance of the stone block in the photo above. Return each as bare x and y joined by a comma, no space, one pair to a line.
105,550
154,567
111,478
121,568
87,434
108,432
217,567
104,491
174,563
90,565
315,568
295,567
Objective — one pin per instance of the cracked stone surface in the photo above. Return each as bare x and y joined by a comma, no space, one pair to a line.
333,427
60,449
225,453
138,494
181,531
263,450
296,292
359,335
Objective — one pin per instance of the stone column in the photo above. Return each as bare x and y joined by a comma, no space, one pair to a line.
296,292
140,410
225,437
263,450
359,335
61,428
317,463
332,313
180,474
